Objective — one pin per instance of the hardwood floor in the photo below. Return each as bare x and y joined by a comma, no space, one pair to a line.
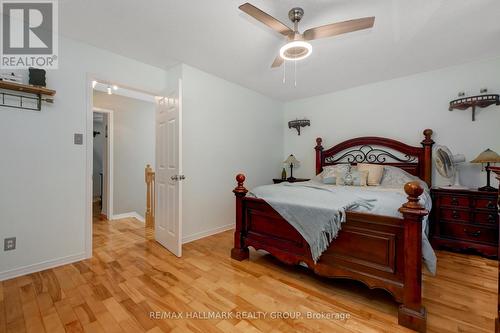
131,276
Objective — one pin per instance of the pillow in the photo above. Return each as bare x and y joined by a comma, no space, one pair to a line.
352,178
375,172
330,180
396,178
328,175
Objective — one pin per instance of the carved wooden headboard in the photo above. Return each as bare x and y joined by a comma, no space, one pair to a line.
375,150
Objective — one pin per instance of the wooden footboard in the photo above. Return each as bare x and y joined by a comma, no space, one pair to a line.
380,251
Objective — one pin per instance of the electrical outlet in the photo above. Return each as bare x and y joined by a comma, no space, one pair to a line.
9,244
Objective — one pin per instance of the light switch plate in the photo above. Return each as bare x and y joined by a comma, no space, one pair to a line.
78,139
9,244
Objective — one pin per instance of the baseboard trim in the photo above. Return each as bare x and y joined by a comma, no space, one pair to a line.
44,265
129,215
203,234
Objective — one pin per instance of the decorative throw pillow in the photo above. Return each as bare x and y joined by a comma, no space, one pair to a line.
396,178
352,178
375,172
330,180
329,173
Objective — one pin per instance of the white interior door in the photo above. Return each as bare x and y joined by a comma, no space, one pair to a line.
168,217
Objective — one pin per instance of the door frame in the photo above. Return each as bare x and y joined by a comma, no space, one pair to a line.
89,151
110,159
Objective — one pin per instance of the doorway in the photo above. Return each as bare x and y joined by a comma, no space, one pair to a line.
123,182
102,166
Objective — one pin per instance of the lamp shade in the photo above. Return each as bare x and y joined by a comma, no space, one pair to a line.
487,156
292,160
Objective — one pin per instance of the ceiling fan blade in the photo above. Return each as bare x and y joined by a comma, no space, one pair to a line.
267,19
278,61
339,28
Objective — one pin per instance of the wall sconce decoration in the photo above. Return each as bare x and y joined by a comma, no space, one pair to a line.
481,101
298,123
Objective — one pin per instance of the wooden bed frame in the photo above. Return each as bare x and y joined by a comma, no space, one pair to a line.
379,251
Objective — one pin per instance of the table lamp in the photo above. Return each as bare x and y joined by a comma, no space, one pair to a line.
486,157
292,162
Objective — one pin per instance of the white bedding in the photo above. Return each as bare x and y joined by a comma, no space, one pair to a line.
389,201
300,203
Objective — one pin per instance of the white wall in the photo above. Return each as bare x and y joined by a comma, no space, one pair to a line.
42,173
227,129
401,109
133,149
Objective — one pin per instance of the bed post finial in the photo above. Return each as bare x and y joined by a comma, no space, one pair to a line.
427,143
428,135
318,143
414,190
411,313
240,190
319,153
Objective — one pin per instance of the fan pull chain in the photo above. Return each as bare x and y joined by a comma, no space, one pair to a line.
295,74
284,72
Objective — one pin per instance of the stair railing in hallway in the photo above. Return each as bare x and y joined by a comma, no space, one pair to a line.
150,196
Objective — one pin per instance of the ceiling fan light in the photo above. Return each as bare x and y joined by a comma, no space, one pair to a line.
296,50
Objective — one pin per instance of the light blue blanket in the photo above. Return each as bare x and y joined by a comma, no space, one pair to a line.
317,211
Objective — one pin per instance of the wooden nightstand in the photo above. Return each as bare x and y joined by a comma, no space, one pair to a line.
295,180
465,219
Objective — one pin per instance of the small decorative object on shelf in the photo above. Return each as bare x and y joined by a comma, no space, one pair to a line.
480,101
11,77
486,157
283,174
292,162
37,77
298,123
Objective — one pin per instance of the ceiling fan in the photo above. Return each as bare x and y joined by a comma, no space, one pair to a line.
297,46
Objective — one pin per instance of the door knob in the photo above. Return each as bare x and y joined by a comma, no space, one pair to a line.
182,177
175,177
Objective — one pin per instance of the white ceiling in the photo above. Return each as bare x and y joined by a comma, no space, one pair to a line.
408,37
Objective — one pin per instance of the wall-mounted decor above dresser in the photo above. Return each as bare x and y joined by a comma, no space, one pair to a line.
465,220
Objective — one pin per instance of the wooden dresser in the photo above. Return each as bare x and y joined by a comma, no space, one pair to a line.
465,219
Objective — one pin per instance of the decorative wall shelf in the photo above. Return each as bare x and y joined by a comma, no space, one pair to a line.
36,100
480,101
298,123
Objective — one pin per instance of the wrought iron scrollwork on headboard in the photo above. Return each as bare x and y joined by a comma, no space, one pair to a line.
368,154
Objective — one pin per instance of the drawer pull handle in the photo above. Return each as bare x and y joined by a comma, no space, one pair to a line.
490,205
492,218
454,201
455,214
474,233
